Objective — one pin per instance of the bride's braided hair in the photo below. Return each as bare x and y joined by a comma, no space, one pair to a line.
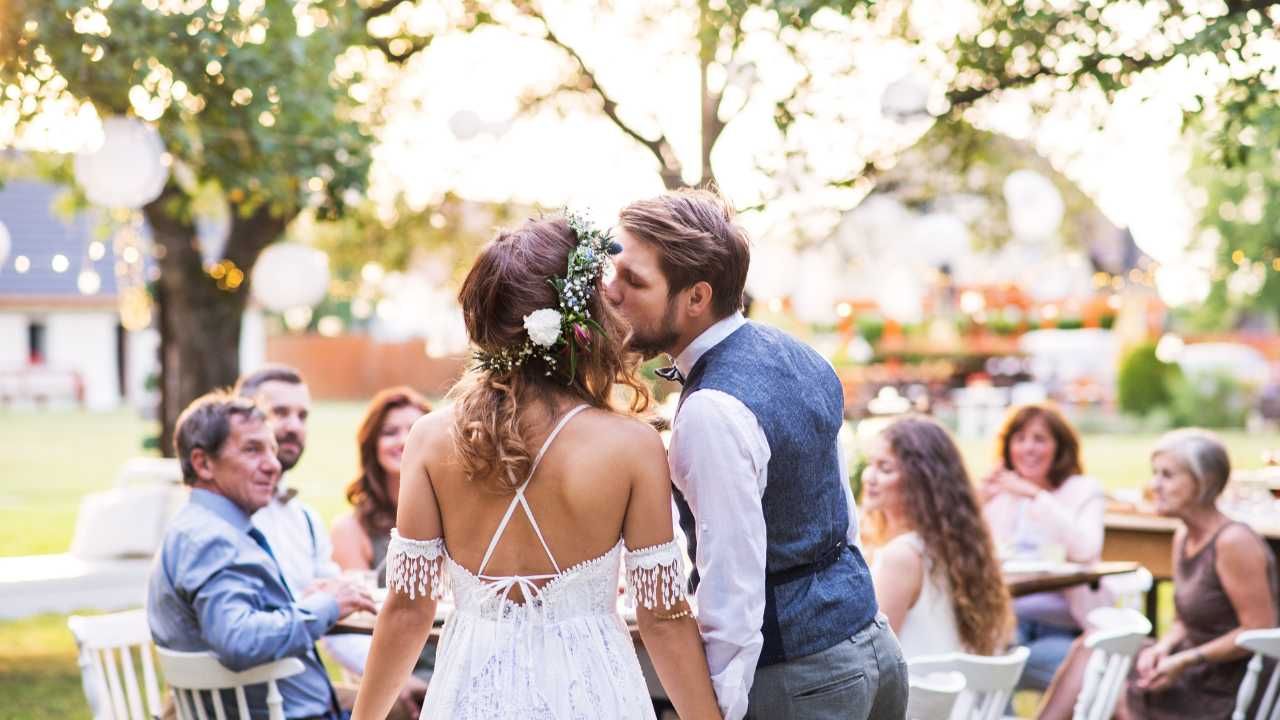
507,282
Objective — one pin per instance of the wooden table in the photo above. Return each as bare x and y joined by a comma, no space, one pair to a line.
1148,540
1028,583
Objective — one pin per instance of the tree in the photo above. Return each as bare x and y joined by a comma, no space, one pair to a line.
718,31
1238,200
1222,62
254,99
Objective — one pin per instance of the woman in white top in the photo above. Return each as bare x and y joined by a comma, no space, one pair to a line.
936,574
526,497
1042,507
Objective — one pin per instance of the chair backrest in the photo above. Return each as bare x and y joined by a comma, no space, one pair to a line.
108,644
1264,644
1119,636
933,696
190,674
989,681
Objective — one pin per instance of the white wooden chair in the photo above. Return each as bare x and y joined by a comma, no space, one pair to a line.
1117,635
989,681
1264,644
191,673
111,687
933,696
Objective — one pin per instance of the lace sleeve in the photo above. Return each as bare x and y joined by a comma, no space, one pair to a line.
415,567
655,574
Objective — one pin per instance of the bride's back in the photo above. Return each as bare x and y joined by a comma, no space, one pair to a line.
578,493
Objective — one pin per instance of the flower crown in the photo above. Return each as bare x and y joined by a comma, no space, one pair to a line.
571,325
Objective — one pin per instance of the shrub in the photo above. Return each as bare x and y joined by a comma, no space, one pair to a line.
1212,400
1144,382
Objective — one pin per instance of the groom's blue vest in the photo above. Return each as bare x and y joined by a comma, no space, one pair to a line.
818,590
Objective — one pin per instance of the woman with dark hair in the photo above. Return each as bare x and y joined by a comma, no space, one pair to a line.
936,574
1224,583
360,537
1042,507
523,495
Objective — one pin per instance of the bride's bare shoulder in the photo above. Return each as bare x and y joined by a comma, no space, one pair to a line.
433,430
620,435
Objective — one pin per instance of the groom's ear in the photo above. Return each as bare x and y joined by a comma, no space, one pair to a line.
699,301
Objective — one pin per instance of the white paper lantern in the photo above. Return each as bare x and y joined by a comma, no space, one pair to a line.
1060,276
900,296
939,238
818,286
128,170
873,229
465,125
1035,205
290,275
905,98
6,243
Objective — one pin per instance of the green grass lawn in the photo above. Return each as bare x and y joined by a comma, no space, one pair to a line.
48,461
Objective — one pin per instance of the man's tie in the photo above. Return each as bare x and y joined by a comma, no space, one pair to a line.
261,539
671,373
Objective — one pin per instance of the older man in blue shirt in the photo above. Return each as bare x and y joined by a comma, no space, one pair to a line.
216,585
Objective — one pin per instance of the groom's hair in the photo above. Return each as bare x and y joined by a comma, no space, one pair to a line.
696,239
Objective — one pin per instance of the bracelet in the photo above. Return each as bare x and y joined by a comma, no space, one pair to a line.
1198,655
687,612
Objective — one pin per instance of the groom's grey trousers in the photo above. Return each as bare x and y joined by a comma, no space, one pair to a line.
862,677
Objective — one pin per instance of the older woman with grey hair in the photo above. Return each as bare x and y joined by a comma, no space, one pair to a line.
1224,583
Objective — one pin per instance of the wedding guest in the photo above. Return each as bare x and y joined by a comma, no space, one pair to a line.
1224,583
1041,506
294,530
936,574
216,585
360,537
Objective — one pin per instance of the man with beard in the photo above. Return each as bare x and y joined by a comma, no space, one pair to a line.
295,531
785,603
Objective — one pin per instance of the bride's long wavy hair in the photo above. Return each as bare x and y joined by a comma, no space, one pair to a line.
942,506
508,281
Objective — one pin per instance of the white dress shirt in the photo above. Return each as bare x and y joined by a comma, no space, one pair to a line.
719,458
298,539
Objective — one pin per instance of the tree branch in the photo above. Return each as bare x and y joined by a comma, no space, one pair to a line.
660,147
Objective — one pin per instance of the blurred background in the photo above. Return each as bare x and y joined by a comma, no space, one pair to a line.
963,205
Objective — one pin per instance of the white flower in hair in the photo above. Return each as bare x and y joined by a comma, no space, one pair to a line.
543,327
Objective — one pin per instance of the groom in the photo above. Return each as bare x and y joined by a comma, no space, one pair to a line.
785,601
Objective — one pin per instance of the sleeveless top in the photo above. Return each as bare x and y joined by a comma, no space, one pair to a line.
1206,612
563,652
929,627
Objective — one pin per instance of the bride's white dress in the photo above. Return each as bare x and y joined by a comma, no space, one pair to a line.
562,653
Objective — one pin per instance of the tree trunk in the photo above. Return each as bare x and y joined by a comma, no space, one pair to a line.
199,322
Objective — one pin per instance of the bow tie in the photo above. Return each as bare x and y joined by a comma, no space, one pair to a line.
670,373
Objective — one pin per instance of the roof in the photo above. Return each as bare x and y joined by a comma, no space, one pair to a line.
36,233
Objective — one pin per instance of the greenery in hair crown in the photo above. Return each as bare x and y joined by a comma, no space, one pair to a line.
551,330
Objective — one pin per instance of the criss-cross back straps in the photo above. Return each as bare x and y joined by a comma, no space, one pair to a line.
520,500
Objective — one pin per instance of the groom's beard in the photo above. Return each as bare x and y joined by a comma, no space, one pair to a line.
651,342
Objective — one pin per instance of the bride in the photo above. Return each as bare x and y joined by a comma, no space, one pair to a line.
525,497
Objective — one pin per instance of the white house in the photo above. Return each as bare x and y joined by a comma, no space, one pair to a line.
61,341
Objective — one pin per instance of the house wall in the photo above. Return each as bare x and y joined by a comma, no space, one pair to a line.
13,341
85,343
